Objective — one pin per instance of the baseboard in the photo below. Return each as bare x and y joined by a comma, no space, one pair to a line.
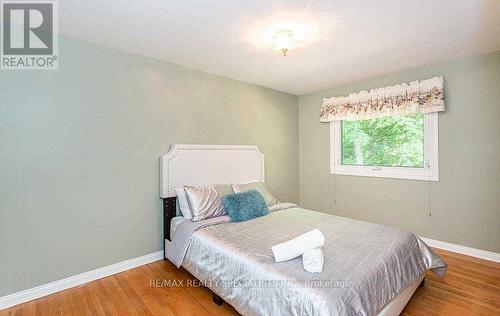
473,252
56,286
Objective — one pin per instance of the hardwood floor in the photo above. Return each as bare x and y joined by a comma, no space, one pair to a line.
471,287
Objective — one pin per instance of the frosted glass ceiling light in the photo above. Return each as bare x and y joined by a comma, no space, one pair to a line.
284,41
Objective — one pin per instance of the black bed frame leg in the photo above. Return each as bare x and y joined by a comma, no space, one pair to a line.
217,299
422,283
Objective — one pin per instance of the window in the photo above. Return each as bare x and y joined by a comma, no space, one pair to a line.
404,147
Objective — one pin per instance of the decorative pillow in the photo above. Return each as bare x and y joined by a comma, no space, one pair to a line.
205,202
245,205
259,187
183,203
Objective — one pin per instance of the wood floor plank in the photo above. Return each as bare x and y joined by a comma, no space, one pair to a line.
470,287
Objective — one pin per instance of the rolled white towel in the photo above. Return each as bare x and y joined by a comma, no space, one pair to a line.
298,245
313,260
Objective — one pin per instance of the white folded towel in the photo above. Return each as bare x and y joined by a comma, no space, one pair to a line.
298,245
313,260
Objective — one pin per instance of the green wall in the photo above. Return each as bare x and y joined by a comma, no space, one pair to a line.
465,203
79,149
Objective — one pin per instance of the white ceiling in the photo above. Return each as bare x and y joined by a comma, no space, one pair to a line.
346,40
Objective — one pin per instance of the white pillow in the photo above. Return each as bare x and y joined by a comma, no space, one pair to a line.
183,203
259,187
206,201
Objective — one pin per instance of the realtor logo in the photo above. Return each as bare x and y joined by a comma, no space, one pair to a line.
29,35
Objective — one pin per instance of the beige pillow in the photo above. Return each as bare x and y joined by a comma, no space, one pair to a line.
205,202
261,188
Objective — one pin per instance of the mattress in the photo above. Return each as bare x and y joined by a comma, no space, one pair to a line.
366,265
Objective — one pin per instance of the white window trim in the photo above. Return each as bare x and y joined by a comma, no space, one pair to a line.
430,172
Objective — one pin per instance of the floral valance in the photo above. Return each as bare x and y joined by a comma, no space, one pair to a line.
426,96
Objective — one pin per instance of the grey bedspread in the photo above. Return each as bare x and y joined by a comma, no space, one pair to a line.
176,251
366,265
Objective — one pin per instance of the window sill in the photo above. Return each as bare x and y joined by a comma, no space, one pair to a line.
386,172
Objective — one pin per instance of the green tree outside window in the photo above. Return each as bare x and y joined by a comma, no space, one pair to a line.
392,141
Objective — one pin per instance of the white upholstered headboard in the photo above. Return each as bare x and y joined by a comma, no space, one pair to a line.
209,164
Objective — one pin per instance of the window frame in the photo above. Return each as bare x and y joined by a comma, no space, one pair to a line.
430,171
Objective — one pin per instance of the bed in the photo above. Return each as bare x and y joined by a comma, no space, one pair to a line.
369,269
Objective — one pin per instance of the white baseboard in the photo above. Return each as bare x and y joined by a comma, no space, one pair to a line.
473,252
56,286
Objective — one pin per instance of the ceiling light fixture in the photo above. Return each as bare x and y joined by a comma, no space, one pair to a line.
284,41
